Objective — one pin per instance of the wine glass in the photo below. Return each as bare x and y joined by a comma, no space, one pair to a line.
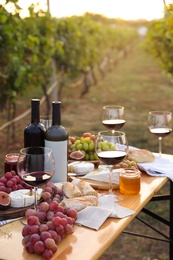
111,148
112,117
35,167
46,121
160,124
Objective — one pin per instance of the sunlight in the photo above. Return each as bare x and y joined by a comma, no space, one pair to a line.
125,9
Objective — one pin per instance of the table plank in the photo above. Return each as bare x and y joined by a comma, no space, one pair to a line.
84,243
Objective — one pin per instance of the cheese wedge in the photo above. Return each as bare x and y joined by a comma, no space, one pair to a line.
22,198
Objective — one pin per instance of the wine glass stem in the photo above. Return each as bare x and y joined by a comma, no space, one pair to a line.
160,146
35,198
110,179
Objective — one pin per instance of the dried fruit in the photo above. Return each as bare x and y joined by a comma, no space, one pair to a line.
4,200
77,155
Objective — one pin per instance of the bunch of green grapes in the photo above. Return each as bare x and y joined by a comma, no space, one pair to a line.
126,164
85,144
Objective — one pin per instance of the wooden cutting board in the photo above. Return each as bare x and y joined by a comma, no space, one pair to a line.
97,184
10,212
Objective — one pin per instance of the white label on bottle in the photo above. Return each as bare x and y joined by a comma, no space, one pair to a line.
59,150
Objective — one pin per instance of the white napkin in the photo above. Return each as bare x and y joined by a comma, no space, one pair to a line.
103,175
94,217
159,167
4,222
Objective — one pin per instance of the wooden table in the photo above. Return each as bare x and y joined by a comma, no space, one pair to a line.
85,243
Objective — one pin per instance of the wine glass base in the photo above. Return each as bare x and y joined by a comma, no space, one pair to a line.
118,197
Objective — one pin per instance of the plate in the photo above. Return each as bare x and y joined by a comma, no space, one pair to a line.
95,162
10,212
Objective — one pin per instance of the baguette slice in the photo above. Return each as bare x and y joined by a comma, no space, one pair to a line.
141,156
80,203
85,187
70,190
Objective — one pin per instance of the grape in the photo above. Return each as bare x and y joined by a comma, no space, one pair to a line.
47,254
91,146
32,220
53,205
44,235
39,247
29,248
85,146
2,188
46,195
71,213
49,243
48,189
43,227
9,183
68,229
33,229
34,238
30,212
3,179
57,221
42,215
44,206
64,222
50,215
8,175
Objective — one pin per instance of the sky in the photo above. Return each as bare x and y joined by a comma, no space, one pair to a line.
125,9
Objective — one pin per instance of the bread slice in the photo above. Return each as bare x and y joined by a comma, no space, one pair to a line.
141,156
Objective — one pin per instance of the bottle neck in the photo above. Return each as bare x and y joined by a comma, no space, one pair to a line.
56,113
35,111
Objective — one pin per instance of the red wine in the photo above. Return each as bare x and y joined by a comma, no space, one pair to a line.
34,133
56,138
114,124
161,132
111,157
37,178
10,162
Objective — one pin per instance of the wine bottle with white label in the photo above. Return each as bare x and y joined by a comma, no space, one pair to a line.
56,138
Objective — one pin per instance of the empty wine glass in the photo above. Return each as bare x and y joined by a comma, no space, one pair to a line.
35,167
112,117
160,124
111,148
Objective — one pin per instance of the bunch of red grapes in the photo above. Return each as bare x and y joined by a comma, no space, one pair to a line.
46,227
11,182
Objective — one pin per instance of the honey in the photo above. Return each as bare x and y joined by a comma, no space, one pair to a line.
130,181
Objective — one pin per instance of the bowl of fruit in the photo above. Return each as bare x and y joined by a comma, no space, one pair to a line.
82,148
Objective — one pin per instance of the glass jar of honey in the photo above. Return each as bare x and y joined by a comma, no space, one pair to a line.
130,181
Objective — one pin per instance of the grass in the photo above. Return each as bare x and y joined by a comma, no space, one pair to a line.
139,85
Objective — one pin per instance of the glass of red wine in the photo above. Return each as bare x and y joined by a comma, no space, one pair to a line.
160,124
112,117
35,167
111,148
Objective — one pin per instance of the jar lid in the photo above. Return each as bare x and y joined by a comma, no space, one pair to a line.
130,173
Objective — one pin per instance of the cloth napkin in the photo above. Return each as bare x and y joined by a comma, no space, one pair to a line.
159,167
93,217
4,222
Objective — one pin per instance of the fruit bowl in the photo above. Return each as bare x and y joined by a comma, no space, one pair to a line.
82,148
